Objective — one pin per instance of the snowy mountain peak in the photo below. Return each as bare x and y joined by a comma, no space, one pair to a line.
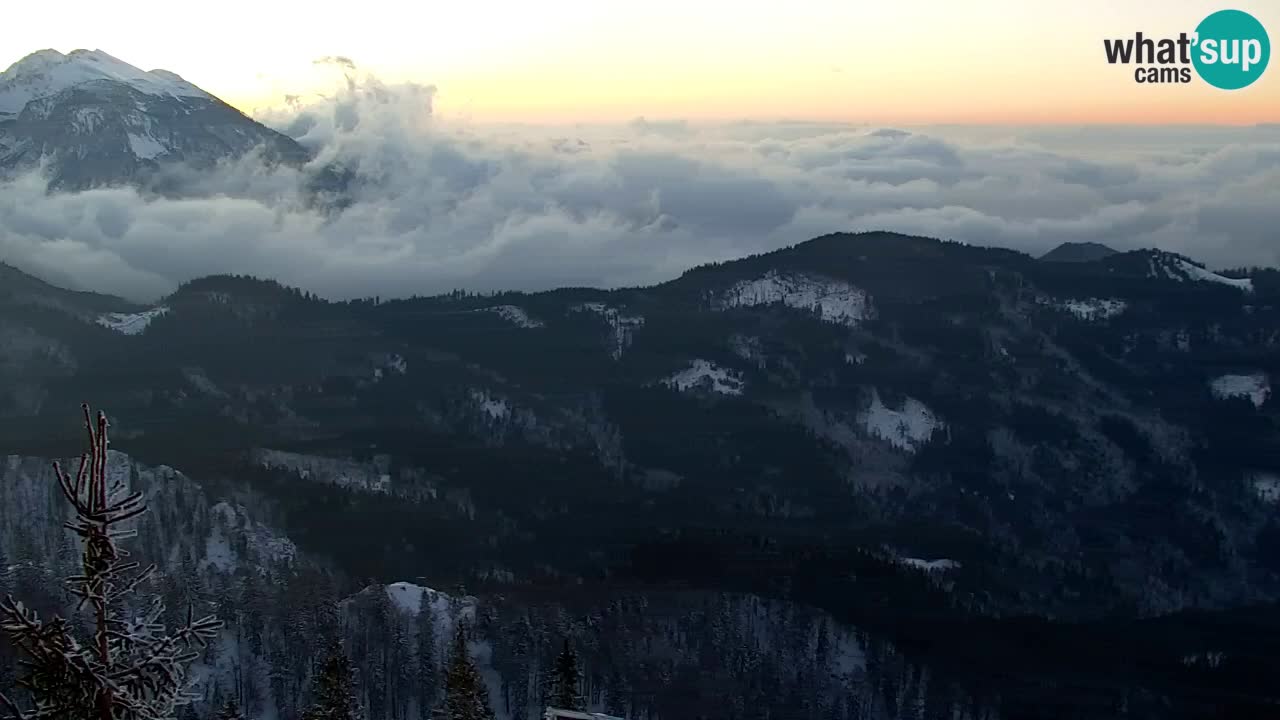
35,62
45,73
88,119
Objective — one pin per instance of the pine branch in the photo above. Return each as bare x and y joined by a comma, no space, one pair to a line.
130,670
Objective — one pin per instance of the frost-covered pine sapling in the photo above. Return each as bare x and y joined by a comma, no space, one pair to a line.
131,668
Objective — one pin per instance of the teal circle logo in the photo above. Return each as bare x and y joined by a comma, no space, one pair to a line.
1232,49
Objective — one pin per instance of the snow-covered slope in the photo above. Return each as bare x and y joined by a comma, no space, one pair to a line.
131,323
1176,267
1255,386
221,535
48,72
706,374
232,526
906,428
408,599
515,315
832,300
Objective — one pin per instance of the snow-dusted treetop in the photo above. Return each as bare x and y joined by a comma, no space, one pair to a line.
49,72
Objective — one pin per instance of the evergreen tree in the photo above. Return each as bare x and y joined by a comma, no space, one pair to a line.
333,694
465,695
426,666
130,669
230,711
566,680
401,671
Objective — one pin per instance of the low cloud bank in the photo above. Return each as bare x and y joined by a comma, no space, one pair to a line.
440,205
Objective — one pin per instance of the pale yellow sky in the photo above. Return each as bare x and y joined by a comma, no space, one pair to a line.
890,62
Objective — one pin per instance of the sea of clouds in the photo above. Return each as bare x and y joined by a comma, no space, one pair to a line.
438,204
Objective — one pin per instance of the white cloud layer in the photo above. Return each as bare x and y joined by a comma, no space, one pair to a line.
443,205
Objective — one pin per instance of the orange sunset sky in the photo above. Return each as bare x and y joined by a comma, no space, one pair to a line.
556,61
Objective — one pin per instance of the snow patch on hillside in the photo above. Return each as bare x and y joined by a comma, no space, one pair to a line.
217,552
145,147
1173,267
832,300
1255,386
906,428
494,407
623,327
408,598
131,323
1195,272
515,315
706,374
1093,308
394,364
930,566
371,476
1267,486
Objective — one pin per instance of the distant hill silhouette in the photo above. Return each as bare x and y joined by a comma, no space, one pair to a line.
1078,252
